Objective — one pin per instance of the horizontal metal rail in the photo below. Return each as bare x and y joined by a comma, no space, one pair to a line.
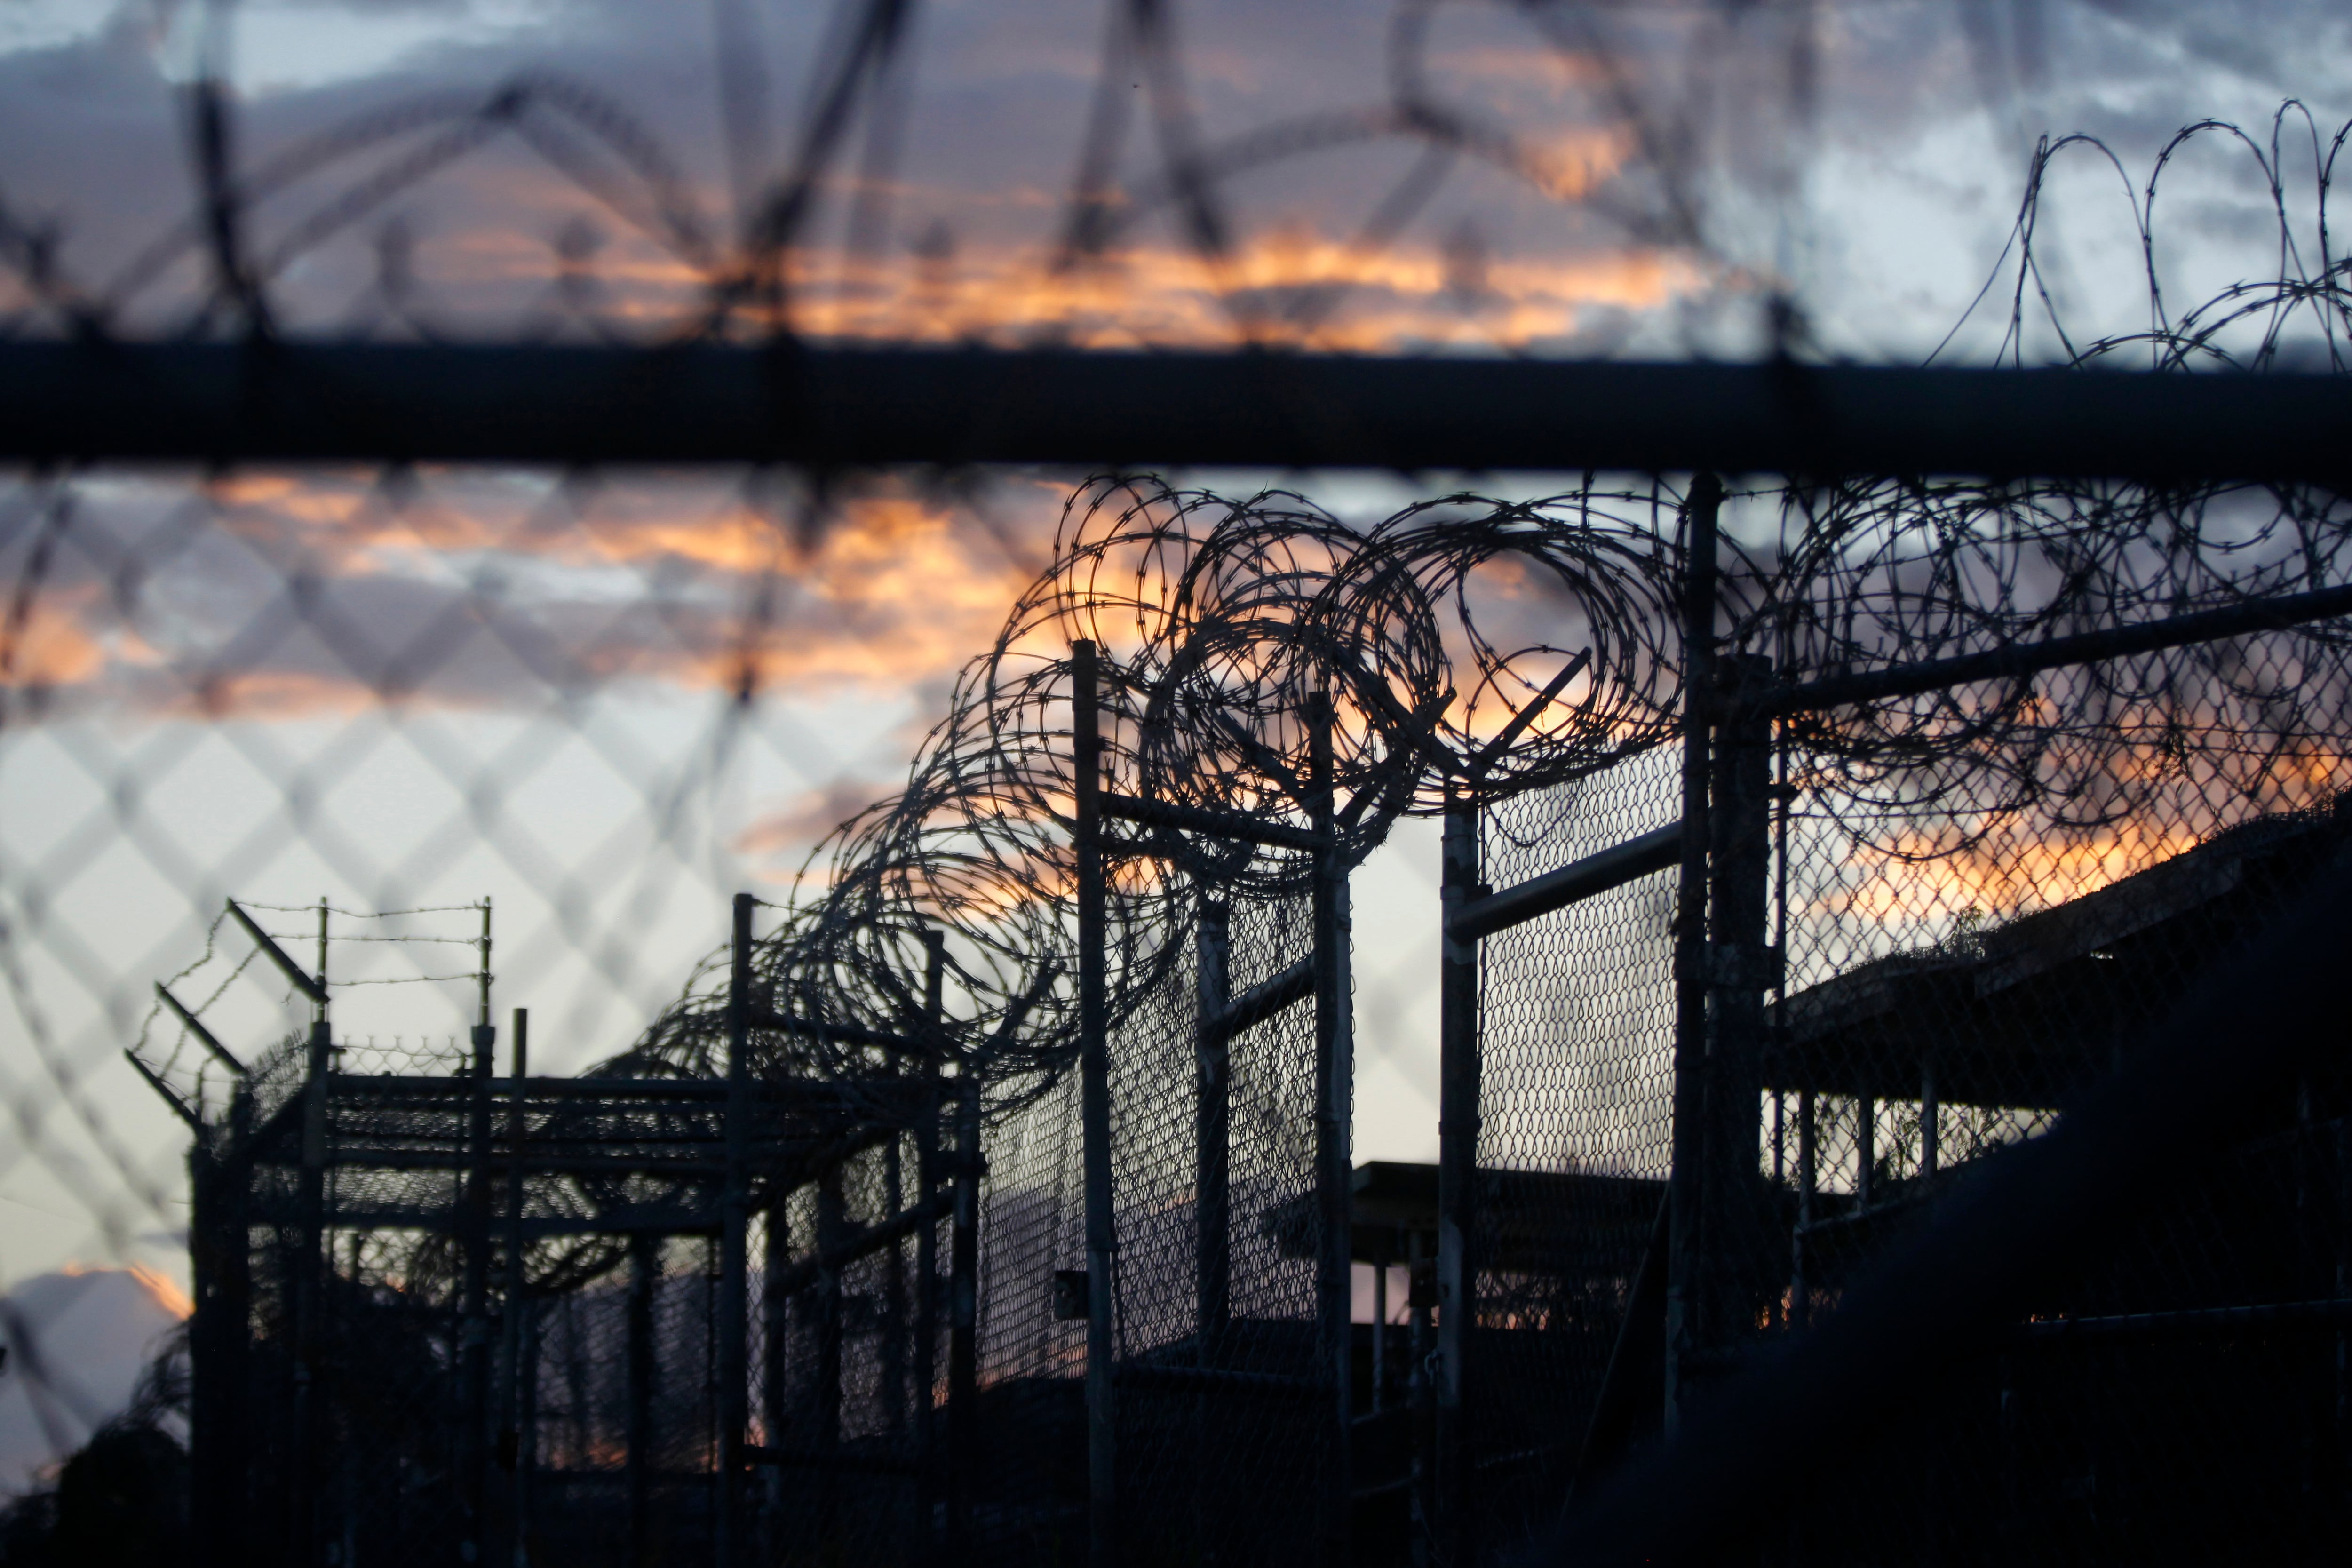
804,1272
849,407
1658,850
452,1220
533,1164
1230,825
2254,616
1268,997
431,1090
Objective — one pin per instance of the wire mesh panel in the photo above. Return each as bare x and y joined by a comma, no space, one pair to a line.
1221,1400
1218,1425
1576,1104
842,1429
1030,1477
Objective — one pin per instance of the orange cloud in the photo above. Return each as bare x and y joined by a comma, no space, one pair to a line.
2011,874
53,647
694,583
1140,294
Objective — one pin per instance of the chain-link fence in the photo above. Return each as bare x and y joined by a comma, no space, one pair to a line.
811,1271
990,1195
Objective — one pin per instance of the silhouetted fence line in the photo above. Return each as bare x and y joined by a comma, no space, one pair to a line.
992,1195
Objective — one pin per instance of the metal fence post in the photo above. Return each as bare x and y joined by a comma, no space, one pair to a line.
514,1397
832,1230
734,1242
926,1257
526,1438
474,1327
1801,1284
963,1319
1457,1197
1094,1110
1739,971
1212,1179
310,1268
1334,1075
219,1338
1211,1133
1686,1252
644,1269
775,1312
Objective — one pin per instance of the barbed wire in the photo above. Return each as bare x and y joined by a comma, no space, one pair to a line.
1474,648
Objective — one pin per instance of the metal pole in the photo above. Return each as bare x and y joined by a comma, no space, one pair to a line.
527,1438
220,1269
1457,1198
1211,1133
832,1221
1685,1189
1866,1150
474,1329
734,1241
1093,1108
1930,1121
645,1258
964,1317
1335,1073
926,1259
310,1268
891,1320
776,1313
1800,1285
511,1394
675,404
1211,1201
1739,971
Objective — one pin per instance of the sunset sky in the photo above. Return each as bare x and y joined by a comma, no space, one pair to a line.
517,684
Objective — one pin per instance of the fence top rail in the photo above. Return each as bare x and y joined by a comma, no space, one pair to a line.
2275,613
1656,851
278,401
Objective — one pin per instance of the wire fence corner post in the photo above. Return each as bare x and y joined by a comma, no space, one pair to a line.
1740,970
1458,1193
963,1319
734,1243
1687,1251
926,1257
1335,1093
1094,1075
1211,1133
310,1268
516,1392
220,1337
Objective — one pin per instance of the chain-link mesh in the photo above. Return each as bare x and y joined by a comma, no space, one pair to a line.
1576,1110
